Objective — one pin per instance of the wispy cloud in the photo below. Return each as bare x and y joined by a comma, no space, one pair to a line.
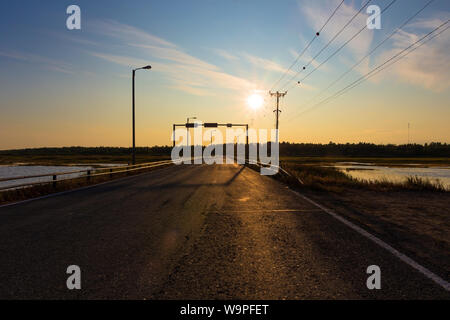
317,12
188,78
306,58
426,66
423,67
122,60
265,64
225,54
176,55
192,90
426,23
200,77
55,65
259,62
187,73
126,32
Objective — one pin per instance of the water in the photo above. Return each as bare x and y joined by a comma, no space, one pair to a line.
15,171
372,172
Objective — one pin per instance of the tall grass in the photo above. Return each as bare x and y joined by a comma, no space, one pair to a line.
418,183
332,179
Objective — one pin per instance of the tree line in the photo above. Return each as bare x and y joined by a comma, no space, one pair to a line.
434,149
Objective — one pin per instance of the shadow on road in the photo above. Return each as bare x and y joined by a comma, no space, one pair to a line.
208,181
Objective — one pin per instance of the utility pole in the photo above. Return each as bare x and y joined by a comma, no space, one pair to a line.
278,95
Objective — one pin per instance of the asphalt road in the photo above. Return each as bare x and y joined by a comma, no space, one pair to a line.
194,232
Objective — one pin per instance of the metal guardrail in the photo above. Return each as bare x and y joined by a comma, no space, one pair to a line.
109,171
260,164
89,174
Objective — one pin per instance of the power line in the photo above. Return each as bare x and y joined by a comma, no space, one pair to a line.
329,42
390,61
372,51
380,68
307,47
294,63
345,43
401,57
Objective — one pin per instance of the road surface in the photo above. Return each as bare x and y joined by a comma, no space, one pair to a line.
193,232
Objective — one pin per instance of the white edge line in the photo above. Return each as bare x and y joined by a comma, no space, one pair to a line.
438,280
81,188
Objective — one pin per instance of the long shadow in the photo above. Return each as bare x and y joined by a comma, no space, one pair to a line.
234,176
190,185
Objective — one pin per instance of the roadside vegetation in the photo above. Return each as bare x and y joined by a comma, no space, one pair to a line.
325,178
387,161
412,216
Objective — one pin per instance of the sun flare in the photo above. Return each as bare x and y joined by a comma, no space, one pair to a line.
255,101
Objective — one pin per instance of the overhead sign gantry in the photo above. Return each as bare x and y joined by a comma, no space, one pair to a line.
210,125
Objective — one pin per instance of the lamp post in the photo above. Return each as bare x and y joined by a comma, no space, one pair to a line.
187,129
134,135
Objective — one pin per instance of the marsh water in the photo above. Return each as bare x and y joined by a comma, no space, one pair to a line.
363,171
17,171
372,172
10,171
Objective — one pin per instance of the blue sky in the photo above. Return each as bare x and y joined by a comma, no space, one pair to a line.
72,87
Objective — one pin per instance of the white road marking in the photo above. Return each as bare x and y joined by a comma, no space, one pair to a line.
438,280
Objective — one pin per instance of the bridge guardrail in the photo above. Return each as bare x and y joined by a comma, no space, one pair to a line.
260,164
88,174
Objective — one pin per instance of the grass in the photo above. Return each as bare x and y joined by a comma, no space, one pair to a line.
331,179
418,183
379,161
412,216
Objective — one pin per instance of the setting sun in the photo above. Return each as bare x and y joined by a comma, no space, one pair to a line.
255,101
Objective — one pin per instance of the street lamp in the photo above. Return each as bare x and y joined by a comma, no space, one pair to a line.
134,135
187,129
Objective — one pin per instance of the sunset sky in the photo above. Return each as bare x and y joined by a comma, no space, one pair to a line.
61,87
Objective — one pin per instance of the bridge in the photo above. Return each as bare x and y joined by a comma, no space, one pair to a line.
194,232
